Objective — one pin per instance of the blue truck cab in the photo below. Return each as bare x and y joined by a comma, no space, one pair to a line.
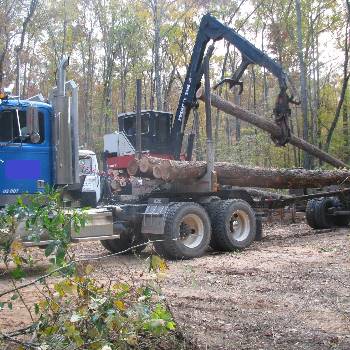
39,142
26,157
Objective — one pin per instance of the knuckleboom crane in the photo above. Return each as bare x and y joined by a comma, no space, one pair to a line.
211,29
162,135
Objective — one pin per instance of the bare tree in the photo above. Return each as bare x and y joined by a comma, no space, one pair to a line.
8,10
346,77
303,87
32,7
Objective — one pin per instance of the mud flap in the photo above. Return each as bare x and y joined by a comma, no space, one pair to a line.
154,217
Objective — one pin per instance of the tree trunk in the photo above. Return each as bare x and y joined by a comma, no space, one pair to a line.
242,176
303,91
346,128
270,127
157,64
346,77
18,49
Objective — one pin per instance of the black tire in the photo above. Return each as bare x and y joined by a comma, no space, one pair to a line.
322,218
181,219
222,224
311,213
212,209
123,243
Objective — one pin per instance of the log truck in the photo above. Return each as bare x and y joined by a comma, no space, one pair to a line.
182,219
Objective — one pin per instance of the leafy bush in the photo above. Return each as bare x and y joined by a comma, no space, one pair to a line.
76,312
89,315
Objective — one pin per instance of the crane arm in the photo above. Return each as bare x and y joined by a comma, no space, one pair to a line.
211,29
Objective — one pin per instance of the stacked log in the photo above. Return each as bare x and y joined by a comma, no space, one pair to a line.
238,175
134,167
242,176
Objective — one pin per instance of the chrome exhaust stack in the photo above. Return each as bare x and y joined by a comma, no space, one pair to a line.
65,128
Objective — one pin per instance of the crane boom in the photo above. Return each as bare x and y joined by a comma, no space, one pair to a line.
211,29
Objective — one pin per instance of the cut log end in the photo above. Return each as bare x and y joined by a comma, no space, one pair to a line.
144,165
157,172
133,167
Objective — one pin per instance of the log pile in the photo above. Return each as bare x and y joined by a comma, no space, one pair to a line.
242,176
237,175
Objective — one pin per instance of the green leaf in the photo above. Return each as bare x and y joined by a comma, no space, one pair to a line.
17,273
170,325
158,264
50,248
14,296
60,254
36,308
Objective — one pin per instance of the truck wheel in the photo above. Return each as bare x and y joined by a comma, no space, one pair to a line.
186,233
322,218
212,209
311,213
234,225
118,245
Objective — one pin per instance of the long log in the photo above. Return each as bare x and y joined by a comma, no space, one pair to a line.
236,175
266,125
243,176
181,171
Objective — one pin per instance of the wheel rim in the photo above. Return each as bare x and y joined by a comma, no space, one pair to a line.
191,231
239,225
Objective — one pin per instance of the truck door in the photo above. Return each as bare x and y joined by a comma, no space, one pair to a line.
25,162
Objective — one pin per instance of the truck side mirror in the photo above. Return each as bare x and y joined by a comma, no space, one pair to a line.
32,123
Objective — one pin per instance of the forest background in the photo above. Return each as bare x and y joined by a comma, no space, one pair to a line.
111,43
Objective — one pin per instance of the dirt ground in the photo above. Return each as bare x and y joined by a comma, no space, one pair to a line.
289,291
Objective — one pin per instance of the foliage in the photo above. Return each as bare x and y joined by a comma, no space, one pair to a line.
90,315
39,215
77,311
113,42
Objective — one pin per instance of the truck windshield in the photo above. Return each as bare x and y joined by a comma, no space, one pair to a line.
13,127
85,166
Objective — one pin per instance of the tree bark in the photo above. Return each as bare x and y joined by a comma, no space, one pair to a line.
171,170
242,176
346,77
303,89
157,64
18,49
270,127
